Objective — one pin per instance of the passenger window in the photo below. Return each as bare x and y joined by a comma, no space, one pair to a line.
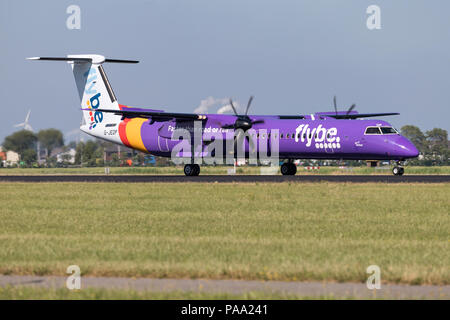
281,136
287,136
373,130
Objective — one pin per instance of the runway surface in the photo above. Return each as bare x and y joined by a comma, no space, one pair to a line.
309,289
228,178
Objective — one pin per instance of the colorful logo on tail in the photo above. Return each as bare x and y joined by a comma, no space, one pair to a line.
93,103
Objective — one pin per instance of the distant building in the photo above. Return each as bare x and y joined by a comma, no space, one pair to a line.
66,156
9,158
125,152
12,157
2,157
55,152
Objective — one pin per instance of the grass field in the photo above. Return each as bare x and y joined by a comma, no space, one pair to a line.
284,231
25,293
221,170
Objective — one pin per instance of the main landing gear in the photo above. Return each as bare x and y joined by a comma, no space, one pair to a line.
398,170
288,169
192,169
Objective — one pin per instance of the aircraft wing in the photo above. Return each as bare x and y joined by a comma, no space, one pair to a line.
290,117
159,115
156,115
361,115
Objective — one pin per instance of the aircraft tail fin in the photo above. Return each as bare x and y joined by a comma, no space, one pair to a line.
93,86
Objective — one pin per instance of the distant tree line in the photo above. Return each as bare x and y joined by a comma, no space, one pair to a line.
433,146
92,153
89,154
25,143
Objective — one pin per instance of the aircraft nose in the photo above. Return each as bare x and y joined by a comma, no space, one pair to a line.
407,148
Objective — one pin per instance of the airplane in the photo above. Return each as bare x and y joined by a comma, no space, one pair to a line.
338,135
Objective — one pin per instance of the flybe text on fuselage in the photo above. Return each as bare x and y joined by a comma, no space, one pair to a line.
94,101
321,136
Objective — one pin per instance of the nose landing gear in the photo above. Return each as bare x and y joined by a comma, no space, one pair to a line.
192,169
398,169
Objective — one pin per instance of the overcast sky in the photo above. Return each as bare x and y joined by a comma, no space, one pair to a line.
292,55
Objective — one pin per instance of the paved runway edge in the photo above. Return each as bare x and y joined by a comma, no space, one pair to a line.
228,178
309,289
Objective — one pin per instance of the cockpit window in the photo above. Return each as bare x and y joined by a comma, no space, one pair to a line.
373,130
388,130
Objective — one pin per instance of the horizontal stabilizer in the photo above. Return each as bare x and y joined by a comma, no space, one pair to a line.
90,58
121,61
61,59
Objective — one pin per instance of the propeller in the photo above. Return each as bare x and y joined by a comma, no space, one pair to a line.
242,122
350,109
335,106
336,110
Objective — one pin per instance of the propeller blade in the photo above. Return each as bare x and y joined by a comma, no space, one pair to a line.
251,144
350,109
335,105
257,122
232,106
248,104
28,116
238,140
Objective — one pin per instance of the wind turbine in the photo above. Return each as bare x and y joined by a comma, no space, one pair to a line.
26,124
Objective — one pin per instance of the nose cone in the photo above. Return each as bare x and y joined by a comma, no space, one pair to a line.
406,148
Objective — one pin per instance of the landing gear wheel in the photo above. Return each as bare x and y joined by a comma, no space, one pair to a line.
398,171
293,169
196,169
285,169
191,170
188,170
288,169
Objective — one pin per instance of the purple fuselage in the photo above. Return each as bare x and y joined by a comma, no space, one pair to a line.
315,137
